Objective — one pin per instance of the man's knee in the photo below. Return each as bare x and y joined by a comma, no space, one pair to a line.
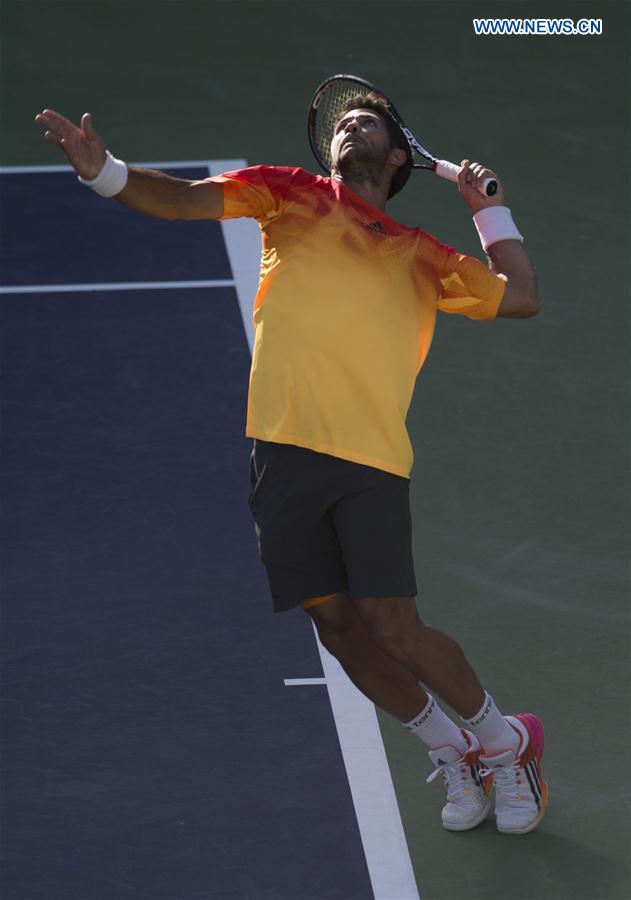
333,613
393,623
335,620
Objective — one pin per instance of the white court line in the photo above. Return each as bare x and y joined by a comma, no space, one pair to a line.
179,164
367,769
26,170
378,816
243,243
113,286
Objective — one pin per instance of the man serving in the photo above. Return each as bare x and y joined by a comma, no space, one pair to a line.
344,317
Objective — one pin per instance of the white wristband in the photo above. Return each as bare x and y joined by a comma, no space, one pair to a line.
111,179
495,223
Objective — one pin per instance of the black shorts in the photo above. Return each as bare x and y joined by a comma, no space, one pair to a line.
325,524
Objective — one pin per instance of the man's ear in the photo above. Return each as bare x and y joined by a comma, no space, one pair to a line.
398,157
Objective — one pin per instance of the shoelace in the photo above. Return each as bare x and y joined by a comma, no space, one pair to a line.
507,781
452,774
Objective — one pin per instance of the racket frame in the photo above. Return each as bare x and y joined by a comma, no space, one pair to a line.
441,167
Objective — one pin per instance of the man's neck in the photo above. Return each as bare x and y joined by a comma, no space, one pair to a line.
375,194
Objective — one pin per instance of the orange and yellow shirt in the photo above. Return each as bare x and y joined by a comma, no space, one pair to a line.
344,314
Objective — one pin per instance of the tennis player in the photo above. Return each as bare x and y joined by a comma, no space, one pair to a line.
344,317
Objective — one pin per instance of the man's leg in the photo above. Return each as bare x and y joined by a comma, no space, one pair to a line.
386,650
435,658
388,671
438,661
384,680
395,689
512,746
390,685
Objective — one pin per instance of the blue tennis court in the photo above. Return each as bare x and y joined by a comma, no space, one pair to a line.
153,748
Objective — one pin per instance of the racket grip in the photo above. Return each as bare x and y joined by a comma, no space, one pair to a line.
449,171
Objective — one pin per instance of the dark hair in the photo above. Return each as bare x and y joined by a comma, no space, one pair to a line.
377,104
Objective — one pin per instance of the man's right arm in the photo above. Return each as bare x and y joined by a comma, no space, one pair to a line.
146,190
157,194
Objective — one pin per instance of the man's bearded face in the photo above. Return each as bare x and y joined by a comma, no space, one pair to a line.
361,141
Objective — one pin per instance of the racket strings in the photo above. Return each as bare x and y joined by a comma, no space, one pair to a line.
336,93
328,113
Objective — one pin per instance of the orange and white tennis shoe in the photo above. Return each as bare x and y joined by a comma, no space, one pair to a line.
521,794
468,801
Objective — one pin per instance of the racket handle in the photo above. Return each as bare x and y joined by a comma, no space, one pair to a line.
449,171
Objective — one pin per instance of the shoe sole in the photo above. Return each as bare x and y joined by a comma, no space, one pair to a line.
534,726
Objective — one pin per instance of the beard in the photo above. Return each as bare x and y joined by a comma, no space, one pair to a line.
362,164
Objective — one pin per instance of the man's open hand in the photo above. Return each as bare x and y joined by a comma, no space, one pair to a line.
83,146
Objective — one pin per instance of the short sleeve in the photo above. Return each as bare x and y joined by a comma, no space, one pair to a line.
467,286
256,192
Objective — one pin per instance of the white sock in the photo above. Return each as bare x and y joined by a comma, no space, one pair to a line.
491,729
436,729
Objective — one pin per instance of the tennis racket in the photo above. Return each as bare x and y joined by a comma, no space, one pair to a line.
324,112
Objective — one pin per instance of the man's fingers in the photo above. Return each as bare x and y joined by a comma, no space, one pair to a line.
83,146
467,177
482,172
470,180
473,174
463,174
54,138
56,122
54,117
87,126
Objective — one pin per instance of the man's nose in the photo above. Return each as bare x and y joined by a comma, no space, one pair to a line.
352,126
